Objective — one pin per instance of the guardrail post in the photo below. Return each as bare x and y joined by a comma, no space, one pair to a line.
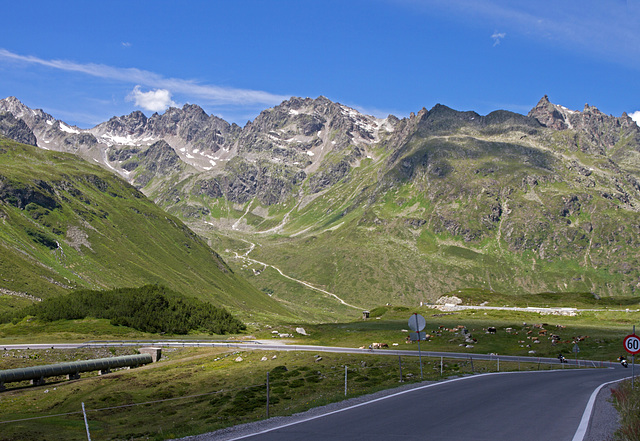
267,394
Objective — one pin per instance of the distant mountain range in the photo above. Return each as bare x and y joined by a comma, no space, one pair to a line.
387,210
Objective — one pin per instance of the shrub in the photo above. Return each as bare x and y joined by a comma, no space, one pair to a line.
150,308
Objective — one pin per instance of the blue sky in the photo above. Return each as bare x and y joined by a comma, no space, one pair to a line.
84,62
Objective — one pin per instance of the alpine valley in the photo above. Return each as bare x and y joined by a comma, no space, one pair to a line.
320,208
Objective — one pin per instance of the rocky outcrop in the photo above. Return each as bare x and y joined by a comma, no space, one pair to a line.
551,115
19,195
16,129
157,161
596,133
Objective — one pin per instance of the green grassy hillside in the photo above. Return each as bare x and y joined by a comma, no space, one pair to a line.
69,224
502,211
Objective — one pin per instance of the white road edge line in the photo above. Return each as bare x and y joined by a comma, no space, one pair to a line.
386,397
586,416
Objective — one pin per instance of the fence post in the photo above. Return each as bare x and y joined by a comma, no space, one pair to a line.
400,364
86,424
267,394
345,380
498,364
473,371
441,365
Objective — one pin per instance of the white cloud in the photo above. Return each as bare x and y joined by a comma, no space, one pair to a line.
497,36
635,116
155,100
126,44
191,89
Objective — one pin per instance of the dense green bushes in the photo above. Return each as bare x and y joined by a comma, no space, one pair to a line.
150,308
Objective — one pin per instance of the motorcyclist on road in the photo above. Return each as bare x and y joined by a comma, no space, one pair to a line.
623,360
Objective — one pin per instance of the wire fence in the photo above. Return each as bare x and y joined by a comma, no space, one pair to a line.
279,391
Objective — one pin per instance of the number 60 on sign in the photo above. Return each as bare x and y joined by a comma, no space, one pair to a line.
632,344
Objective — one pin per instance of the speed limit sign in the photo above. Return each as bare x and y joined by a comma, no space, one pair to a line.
632,344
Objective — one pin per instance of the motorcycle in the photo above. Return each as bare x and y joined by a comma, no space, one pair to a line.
623,361
562,359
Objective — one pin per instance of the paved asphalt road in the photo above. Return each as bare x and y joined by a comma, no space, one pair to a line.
534,405
522,406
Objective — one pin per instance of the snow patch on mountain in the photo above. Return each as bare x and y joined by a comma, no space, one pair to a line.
67,129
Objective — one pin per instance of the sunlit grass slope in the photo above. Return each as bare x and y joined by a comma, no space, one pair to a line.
68,224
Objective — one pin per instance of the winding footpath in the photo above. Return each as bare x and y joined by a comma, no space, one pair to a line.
246,258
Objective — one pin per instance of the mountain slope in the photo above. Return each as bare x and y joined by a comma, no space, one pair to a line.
388,210
68,224
456,200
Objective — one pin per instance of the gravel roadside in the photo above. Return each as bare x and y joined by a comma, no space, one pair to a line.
604,418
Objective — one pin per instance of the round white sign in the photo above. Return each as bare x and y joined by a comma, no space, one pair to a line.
632,344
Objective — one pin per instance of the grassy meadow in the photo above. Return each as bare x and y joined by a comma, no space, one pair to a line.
192,391
196,390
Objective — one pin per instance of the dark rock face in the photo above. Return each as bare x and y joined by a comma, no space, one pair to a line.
329,176
38,192
75,140
158,160
192,125
16,129
596,132
133,124
262,180
549,115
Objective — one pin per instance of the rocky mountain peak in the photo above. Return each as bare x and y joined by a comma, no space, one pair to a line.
597,130
16,129
19,110
551,115
13,105
132,124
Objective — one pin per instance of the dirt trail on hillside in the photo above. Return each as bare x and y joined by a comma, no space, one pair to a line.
246,257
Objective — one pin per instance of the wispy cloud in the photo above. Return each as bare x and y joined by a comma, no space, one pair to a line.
126,44
155,100
497,37
191,89
606,30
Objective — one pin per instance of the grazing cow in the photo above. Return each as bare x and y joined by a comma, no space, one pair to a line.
491,330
